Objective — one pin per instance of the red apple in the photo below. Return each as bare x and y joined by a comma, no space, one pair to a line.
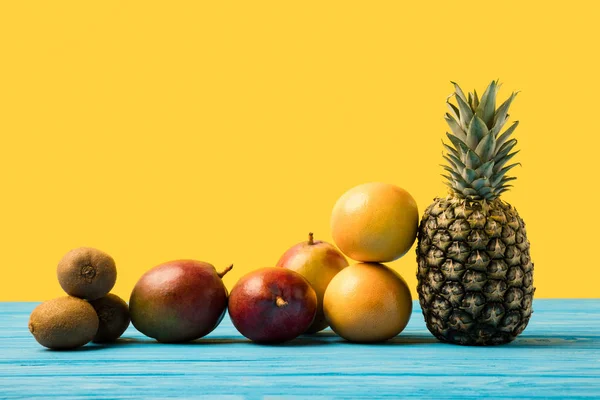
272,305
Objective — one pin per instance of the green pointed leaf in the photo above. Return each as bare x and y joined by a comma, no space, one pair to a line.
460,186
472,160
452,172
451,150
477,131
502,114
459,145
459,91
499,177
484,191
475,100
498,127
469,192
455,127
469,175
505,149
456,177
466,114
450,162
508,168
486,169
504,137
486,147
448,181
453,111
470,100
459,164
479,183
502,190
507,179
450,169
495,180
504,160
487,105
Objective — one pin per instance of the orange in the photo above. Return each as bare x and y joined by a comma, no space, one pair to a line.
367,302
375,222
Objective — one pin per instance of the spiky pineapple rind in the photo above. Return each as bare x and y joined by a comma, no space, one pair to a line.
475,275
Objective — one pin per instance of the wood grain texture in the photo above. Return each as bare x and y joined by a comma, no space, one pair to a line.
557,357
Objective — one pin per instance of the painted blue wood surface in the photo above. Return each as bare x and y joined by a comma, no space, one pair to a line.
558,356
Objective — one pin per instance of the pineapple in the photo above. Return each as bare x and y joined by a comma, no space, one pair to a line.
475,275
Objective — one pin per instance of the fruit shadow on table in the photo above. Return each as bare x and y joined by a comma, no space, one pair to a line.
328,338
317,339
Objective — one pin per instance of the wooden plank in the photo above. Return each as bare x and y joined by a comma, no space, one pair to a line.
558,356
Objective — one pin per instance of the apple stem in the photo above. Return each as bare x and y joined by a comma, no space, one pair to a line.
225,271
280,302
311,239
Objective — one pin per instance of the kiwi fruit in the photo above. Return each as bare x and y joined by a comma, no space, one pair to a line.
113,314
63,323
87,273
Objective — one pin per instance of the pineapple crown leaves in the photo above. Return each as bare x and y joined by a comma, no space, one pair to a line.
478,153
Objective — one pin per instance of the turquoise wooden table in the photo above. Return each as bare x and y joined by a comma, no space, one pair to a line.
558,356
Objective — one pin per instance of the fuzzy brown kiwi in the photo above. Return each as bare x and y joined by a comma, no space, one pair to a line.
87,273
63,323
113,313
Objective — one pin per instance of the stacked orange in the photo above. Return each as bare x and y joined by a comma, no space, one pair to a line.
371,223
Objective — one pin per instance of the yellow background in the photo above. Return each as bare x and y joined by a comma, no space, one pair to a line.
225,131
